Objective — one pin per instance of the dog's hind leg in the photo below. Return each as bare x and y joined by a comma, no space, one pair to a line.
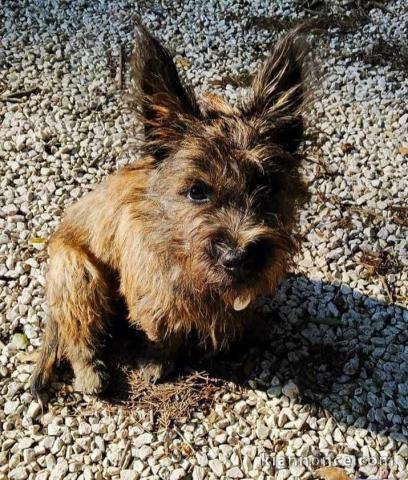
79,309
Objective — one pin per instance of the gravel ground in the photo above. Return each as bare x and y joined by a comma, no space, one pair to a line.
333,382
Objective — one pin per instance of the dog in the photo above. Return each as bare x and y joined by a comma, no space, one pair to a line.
189,235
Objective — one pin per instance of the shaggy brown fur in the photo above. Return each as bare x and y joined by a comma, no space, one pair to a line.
191,234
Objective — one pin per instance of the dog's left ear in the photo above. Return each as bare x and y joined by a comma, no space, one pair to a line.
166,105
278,93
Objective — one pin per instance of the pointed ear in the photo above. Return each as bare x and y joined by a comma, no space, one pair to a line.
278,92
165,105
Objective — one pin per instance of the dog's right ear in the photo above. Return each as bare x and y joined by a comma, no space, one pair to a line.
166,106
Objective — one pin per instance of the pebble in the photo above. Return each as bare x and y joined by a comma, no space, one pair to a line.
34,410
10,407
262,432
199,473
178,474
290,389
19,341
234,472
129,475
19,473
144,439
217,467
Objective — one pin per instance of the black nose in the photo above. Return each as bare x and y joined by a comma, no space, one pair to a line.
236,261
240,262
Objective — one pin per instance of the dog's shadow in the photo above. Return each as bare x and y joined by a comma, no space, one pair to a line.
353,364
345,351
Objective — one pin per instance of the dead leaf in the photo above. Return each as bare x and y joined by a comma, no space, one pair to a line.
186,450
401,214
403,150
239,80
183,63
331,473
347,147
37,240
279,445
212,417
399,220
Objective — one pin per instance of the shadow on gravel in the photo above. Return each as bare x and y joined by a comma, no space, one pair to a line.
353,367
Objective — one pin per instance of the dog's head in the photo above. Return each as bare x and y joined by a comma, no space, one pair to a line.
226,182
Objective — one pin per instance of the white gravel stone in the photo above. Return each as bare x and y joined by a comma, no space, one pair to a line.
25,442
177,474
144,439
129,475
290,389
235,472
10,407
19,473
217,467
199,473
42,475
262,431
60,470
144,452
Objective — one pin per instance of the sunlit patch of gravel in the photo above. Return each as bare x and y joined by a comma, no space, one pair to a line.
332,383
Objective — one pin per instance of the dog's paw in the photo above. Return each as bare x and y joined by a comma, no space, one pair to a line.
91,380
155,371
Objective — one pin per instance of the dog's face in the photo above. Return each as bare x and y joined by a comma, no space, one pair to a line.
226,183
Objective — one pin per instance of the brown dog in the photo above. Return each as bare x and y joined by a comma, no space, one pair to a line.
192,233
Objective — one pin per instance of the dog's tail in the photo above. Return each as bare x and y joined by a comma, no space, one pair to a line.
44,369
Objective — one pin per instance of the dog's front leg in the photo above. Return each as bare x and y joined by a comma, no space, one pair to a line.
151,309
160,358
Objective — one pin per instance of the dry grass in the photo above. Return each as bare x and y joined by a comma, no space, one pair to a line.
345,222
272,23
385,53
316,6
344,23
347,147
400,215
319,18
399,212
334,199
379,263
239,80
367,5
319,21
173,402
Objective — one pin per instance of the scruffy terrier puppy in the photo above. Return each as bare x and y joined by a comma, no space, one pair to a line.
192,233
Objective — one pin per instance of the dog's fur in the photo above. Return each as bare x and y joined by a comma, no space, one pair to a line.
144,237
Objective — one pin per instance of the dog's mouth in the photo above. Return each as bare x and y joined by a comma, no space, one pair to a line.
239,287
239,300
237,279
239,291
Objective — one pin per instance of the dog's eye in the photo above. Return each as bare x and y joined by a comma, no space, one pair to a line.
198,193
